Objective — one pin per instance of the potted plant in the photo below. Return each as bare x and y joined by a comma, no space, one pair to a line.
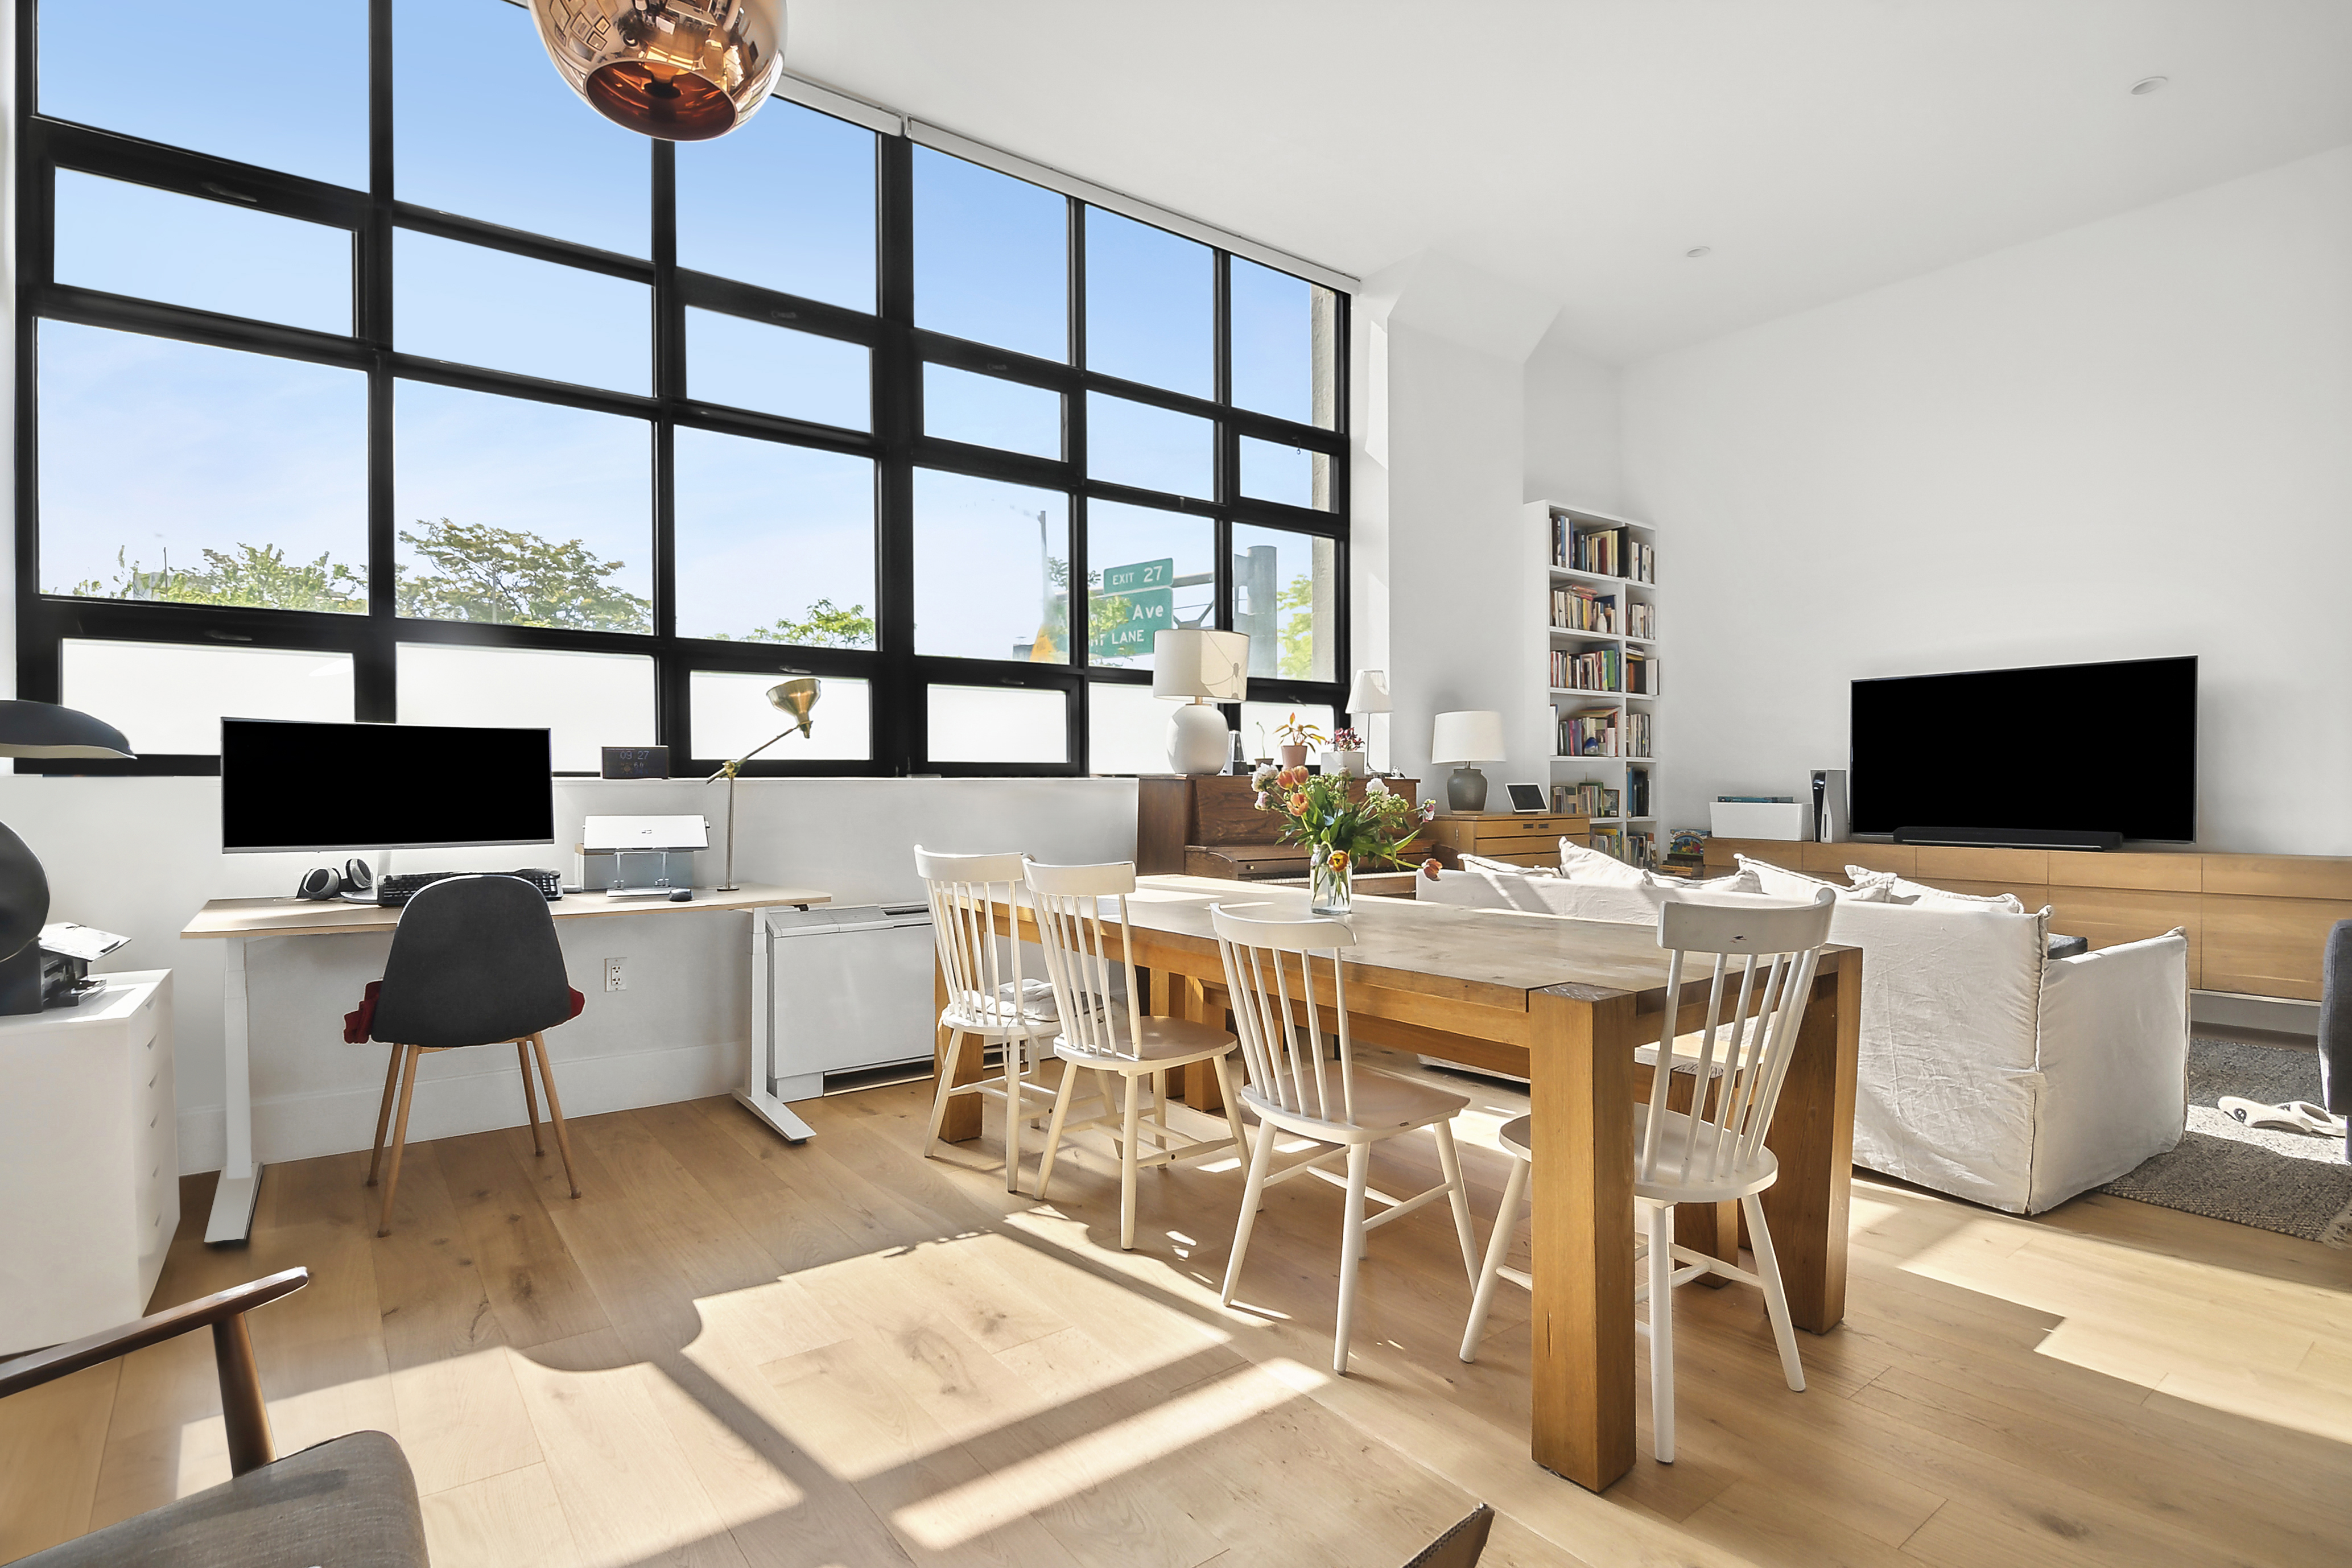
1345,754
1342,833
1295,739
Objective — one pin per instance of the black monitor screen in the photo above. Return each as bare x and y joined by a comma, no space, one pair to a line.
2071,747
382,787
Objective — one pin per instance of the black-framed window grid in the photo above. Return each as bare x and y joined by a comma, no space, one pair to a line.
898,677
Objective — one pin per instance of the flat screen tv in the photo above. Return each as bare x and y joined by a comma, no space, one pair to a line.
2064,749
291,785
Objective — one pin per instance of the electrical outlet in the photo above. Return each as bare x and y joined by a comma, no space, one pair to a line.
616,974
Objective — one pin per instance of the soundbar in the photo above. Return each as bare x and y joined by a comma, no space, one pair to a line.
2011,838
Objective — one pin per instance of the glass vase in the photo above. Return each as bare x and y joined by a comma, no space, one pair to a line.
1330,894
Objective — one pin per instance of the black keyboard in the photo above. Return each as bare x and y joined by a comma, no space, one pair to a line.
400,887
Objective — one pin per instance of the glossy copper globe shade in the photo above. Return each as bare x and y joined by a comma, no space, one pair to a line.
684,70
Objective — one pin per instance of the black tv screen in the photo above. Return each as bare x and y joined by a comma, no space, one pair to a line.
286,785
2096,748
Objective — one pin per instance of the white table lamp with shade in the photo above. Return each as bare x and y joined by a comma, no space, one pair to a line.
1464,738
1202,669
1367,696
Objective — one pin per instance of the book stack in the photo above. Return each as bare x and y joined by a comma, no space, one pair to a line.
1642,674
1609,841
1641,848
1637,734
1592,733
1637,791
1641,620
1578,608
1605,551
1604,669
1584,800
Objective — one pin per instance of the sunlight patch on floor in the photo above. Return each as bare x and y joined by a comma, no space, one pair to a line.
961,1513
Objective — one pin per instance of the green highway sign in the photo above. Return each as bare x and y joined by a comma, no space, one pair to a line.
1145,590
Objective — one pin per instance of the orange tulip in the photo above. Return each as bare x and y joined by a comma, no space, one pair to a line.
1430,868
1338,860
1298,803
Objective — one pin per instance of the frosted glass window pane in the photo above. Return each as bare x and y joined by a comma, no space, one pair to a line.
472,305
1127,729
1151,570
1130,443
483,126
1150,305
990,411
992,569
998,724
732,714
810,231
1287,597
776,544
749,364
513,511
172,72
1294,476
991,257
176,471
586,700
168,698
1261,719
208,255
1285,345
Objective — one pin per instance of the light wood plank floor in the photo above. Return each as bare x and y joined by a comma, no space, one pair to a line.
733,1351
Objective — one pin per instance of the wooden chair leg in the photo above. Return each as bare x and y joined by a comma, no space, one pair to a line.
1498,1247
1126,1152
555,1110
1016,1074
1260,1158
399,1135
1662,1332
1232,1108
529,1099
383,1112
1351,1252
1449,1161
948,1057
1053,1129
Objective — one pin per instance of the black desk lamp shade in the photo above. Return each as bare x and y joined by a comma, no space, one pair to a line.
37,729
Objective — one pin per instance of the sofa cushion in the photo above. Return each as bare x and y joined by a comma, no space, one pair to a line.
1903,891
1484,884
1779,882
1589,865
350,1501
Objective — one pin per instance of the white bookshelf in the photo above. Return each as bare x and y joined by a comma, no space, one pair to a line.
1548,703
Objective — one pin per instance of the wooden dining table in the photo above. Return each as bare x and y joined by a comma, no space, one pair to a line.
1563,1004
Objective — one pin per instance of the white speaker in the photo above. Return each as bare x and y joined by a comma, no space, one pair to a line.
1828,805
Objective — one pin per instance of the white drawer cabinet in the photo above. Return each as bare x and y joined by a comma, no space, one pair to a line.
89,1161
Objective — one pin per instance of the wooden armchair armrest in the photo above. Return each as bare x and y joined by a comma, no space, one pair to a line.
242,1410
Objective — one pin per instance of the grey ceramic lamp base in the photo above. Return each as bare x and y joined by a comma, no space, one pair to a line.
1465,789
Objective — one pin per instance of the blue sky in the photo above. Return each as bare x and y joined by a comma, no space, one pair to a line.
233,449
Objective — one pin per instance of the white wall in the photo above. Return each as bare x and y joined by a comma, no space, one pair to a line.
2131,439
1572,432
140,856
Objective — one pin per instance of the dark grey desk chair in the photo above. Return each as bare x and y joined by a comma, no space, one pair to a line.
474,961
350,1501
2335,1026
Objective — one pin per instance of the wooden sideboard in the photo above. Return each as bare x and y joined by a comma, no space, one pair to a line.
2257,924
1532,840
1210,828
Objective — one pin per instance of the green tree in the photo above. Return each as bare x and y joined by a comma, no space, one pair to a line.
255,574
822,625
509,577
1295,606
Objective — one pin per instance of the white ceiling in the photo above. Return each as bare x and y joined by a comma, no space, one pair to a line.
1578,148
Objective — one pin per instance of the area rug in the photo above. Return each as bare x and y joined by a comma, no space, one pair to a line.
2278,1181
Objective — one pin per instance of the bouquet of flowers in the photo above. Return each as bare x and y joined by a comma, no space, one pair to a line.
1342,832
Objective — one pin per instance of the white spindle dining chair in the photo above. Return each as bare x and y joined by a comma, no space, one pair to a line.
1103,1032
988,996
1273,968
1714,1151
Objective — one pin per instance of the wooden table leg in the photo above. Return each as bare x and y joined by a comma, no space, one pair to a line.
1812,1137
1204,1003
1581,1060
962,1123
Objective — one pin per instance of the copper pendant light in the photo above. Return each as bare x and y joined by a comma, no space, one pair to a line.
684,70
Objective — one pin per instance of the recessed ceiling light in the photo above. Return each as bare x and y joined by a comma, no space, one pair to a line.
2147,84
1695,251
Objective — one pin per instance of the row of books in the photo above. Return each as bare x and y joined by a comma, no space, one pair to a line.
1603,732
1585,800
1610,551
1602,669
1633,848
1641,620
1580,609
1641,675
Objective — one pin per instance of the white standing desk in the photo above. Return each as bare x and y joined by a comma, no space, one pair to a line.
239,921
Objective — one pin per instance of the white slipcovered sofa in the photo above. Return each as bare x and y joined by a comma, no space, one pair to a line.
1987,1070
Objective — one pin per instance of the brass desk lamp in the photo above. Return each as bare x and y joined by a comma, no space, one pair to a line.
793,698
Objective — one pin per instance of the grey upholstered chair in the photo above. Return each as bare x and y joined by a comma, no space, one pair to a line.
350,1501
2335,1026
474,961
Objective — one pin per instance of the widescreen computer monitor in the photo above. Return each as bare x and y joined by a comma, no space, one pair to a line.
305,786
